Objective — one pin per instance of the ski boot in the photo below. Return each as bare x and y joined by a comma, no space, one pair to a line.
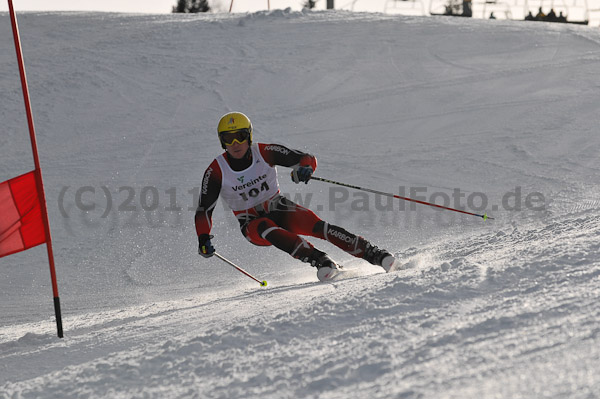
327,269
379,257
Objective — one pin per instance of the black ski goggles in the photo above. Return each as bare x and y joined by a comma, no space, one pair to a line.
239,136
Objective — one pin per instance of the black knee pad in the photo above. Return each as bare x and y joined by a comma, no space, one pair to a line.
319,226
262,227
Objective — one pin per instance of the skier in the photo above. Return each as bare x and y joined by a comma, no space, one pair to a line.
244,175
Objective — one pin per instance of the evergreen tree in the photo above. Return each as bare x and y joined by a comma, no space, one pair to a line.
180,7
310,4
191,6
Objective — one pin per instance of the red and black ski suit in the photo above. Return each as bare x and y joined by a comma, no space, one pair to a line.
274,219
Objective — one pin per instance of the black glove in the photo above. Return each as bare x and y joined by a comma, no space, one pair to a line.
205,248
302,173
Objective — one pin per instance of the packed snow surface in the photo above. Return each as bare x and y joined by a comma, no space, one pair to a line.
492,116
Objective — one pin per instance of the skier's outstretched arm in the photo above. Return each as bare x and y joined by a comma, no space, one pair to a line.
303,164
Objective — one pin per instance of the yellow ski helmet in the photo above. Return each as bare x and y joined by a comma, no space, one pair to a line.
234,122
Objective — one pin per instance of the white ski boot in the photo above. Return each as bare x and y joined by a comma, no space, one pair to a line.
327,269
380,257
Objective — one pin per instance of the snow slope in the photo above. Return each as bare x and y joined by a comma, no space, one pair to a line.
126,105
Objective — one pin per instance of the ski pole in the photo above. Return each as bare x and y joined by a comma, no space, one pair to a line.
262,283
484,216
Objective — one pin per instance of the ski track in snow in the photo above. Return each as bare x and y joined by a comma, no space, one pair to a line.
451,314
497,309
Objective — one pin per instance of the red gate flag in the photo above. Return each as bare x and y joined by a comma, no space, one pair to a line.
23,213
21,223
